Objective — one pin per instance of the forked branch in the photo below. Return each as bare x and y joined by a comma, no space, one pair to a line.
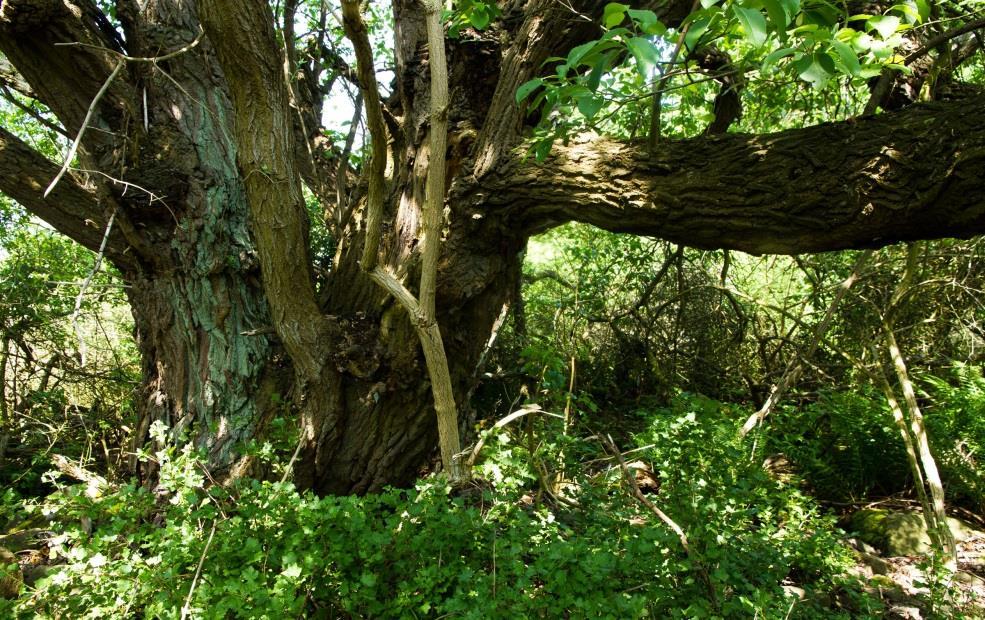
422,313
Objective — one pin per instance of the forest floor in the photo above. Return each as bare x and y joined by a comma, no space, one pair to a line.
902,582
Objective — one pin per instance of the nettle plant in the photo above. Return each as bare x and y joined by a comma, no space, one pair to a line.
637,58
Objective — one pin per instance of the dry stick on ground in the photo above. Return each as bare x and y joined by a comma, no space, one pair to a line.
796,364
516,415
638,495
422,313
95,484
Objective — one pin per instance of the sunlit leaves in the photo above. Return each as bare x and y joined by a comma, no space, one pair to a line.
579,88
470,13
697,25
847,57
753,24
801,43
613,14
646,54
885,25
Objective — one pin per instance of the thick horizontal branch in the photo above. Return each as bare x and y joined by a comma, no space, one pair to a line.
70,208
914,174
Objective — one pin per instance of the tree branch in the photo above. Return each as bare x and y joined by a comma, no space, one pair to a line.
70,208
914,174
10,77
355,30
64,78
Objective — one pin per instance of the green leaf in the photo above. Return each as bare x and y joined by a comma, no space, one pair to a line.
778,16
648,21
908,10
880,49
791,8
601,65
823,15
577,53
886,25
589,105
774,57
827,63
614,33
863,41
646,54
479,17
695,31
753,23
293,571
923,9
708,3
870,71
847,56
613,14
810,69
528,87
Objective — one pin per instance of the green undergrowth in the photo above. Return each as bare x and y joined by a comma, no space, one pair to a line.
505,548
846,446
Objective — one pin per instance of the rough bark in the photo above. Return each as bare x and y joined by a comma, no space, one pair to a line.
243,36
870,182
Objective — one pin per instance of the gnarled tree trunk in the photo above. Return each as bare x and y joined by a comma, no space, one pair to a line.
201,156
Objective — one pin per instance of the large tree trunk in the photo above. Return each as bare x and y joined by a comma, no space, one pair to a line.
208,366
211,233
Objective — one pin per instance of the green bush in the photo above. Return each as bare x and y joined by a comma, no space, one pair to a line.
752,532
847,447
263,550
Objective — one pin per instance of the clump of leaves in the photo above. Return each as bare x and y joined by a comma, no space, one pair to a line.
812,44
